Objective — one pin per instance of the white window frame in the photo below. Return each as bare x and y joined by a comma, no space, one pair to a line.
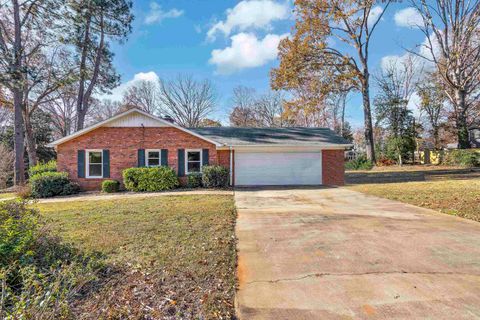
87,161
159,157
186,160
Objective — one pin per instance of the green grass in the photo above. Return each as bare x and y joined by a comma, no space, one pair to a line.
7,195
456,197
185,245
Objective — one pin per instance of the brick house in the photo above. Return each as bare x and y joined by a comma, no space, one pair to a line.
254,156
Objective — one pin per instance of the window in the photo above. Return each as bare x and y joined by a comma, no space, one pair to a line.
193,161
94,164
153,158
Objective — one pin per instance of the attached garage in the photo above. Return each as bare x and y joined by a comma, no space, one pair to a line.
278,168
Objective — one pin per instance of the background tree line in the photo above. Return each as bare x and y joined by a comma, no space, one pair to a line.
443,72
56,64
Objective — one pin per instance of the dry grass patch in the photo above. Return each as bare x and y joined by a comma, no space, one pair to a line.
176,254
456,197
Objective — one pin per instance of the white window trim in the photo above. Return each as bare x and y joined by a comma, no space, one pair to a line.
186,160
87,161
159,157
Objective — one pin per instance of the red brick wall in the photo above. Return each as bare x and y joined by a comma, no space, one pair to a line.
224,160
333,167
123,144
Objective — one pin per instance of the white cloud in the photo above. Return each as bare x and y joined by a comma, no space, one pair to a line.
374,14
255,14
117,93
246,51
408,17
157,14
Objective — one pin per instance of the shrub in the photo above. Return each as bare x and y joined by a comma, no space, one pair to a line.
215,177
361,163
18,228
39,273
385,162
150,179
70,188
50,166
110,186
463,158
194,180
24,192
50,184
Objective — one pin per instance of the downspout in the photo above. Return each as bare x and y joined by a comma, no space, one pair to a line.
231,166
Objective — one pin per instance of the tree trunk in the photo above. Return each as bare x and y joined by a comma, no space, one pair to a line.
367,112
19,172
83,71
436,139
30,140
462,127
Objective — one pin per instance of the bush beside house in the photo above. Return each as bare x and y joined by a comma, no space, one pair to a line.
50,184
215,177
110,186
44,182
194,180
50,166
150,179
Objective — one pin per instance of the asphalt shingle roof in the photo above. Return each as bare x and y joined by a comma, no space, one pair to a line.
233,136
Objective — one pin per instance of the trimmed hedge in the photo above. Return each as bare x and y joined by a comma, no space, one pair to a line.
215,177
50,184
110,186
194,180
50,166
463,158
149,179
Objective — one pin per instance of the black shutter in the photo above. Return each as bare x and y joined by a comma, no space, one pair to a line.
81,163
181,162
164,157
141,157
106,163
205,157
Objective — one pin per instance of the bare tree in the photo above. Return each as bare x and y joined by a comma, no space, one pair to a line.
432,105
187,100
143,94
452,43
63,111
104,109
243,113
269,109
48,71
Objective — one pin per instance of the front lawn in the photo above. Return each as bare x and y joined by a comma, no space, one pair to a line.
8,195
175,254
456,197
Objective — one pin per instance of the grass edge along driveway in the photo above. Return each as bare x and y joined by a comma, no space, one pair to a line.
455,197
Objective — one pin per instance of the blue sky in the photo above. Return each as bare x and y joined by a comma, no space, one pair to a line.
234,43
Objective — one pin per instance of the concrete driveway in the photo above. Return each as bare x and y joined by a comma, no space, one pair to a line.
337,254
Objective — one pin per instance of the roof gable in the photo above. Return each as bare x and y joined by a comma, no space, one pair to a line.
131,118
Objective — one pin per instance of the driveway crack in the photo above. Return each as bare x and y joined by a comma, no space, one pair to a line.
317,275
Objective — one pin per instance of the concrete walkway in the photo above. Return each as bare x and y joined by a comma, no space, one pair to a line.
125,195
339,254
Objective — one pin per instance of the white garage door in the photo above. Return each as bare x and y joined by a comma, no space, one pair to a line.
277,168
